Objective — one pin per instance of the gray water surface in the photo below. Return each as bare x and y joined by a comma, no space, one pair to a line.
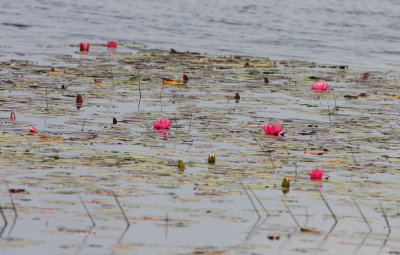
361,34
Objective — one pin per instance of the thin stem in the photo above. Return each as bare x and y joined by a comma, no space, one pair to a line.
122,209
290,212
190,122
327,205
259,201
112,75
251,200
362,214
12,201
140,90
386,219
262,148
87,211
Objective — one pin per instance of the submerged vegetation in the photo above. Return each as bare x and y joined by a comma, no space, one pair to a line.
91,184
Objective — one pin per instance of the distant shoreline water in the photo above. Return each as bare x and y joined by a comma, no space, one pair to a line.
360,34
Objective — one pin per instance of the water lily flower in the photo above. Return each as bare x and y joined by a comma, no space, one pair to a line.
84,46
12,117
33,130
316,174
112,44
320,85
162,123
273,129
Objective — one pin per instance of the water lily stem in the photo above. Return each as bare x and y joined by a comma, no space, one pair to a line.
83,125
290,212
3,215
327,205
166,225
251,200
295,171
259,201
12,201
329,114
190,122
140,90
87,210
112,74
47,102
122,210
386,219
362,214
268,153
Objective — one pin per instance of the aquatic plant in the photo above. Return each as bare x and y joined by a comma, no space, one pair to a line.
84,46
320,85
112,44
316,174
33,130
12,117
273,129
162,123
185,78
211,158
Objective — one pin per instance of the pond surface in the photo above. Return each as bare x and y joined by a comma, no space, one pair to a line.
89,186
359,33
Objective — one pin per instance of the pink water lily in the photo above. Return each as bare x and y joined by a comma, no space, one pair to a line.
33,130
112,44
316,174
320,85
273,129
84,46
162,123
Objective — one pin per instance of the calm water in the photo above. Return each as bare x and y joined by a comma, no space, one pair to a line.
362,34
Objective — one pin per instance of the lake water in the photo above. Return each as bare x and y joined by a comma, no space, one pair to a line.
361,34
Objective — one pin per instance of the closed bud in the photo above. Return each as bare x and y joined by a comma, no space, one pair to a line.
211,158
181,165
285,183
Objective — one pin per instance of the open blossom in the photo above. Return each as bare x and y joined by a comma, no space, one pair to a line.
320,85
84,46
33,130
162,123
112,44
316,174
273,129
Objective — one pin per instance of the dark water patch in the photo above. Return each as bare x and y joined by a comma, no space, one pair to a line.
18,25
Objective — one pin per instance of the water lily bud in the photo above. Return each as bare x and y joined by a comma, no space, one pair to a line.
84,46
56,156
185,78
63,87
33,130
211,158
266,80
181,165
79,101
237,97
12,117
286,183
115,120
